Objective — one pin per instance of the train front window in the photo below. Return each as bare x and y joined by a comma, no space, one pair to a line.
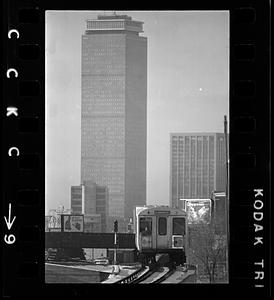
179,226
162,226
145,226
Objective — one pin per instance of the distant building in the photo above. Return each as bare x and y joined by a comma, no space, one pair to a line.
80,199
53,219
114,111
197,165
93,223
102,206
60,210
220,211
91,200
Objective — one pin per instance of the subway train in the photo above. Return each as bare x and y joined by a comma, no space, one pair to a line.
160,230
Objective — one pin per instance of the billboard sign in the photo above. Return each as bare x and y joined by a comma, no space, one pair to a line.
198,211
72,223
52,222
47,219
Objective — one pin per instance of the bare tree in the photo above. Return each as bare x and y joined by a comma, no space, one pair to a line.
207,248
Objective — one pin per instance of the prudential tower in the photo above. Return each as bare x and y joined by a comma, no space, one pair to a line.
114,111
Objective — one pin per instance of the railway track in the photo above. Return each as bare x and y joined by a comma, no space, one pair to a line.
136,276
167,273
148,275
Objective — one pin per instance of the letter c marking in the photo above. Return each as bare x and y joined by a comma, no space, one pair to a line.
12,70
12,31
14,149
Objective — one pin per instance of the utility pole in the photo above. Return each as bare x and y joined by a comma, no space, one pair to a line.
115,241
227,194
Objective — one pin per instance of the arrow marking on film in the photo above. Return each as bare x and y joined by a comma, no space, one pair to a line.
8,222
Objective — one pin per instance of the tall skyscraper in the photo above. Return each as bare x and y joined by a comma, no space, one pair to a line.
197,165
114,110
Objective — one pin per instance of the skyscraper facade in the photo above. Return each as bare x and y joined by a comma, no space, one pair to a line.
197,165
114,108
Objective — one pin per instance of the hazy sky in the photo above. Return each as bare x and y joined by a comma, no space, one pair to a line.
187,90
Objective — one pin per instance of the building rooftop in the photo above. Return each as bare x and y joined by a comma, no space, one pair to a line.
195,133
113,16
113,22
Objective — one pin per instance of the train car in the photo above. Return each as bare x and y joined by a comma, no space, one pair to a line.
160,229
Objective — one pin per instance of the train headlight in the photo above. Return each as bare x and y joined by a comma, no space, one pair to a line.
177,241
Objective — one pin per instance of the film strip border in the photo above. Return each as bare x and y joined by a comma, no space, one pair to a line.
249,141
23,148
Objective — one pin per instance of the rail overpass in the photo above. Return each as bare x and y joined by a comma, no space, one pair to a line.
88,240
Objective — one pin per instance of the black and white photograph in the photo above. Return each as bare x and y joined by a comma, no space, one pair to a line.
137,146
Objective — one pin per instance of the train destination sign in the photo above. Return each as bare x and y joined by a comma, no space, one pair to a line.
162,212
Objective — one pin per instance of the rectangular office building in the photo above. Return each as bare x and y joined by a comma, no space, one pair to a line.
197,166
114,110
91,200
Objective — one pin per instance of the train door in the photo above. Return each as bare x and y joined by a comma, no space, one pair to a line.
145,232
161,232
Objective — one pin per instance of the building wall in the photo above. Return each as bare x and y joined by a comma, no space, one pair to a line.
76,199
103,114
113,134
95,203
92,223
221,166
102,206
136,123
197,165
220,212
89,197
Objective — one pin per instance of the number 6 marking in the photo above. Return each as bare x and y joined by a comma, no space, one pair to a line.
10,239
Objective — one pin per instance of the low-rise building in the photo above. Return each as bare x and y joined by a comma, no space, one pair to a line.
91,200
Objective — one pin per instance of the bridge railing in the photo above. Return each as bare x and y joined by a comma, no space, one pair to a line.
88,240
